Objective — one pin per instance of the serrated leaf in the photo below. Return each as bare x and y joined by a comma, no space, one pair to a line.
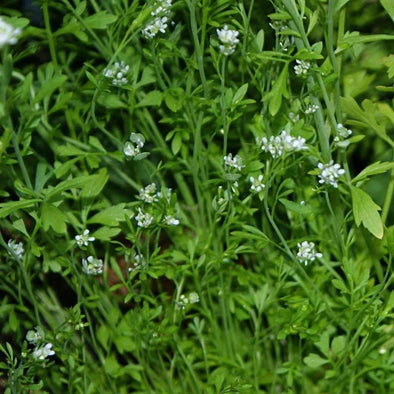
8,207
373,169
94,184
313,360
365,211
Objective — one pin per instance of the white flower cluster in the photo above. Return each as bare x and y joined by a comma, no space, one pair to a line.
257,184
117,73
228,39
306,252
92,266
133,147
144,219
161,15
16,249
233,162
285,41
302,67
84,238
148,194
8,34
193,298
41,352
281,144
170,220
330,173
311,109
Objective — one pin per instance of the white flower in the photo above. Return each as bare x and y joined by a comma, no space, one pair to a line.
138,139
158,25
35,336
84,239
92,266
16,248
257,185
301,67
228,39
171,221
342,131
279,145
306,252
42,353
194,298
330,173
311,109
148,194
117,73
8,34
184,300
130,150
143,219
235,162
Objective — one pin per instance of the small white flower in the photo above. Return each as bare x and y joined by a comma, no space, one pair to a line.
235,162
279,145
148,194
139,262
228,39
117,73
92,266
306,252
171,221
41,353
311,109
16,248
257,185
152,29
143,219
184,300
35,336
330,173
138,139
302,67
8,34
84,239
130,150
291,143
194,298
343,132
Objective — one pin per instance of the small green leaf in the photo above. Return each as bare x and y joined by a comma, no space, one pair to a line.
314,360
94,184
106,233
8,207
296,207
49,87
338,344
53,217
111,101
176,143
100,20
110,216
174,99
373,169
365,211
152,99
240,94
279,90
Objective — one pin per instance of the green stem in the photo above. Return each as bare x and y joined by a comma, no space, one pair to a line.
388,198
48,30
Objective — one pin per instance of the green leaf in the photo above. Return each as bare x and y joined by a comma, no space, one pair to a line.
106,233
373,169
53,217
296,207
279,90
240,94
49,87
259,40
313,360
100,20
176,143
8,207
174,98
110,216
111,101
365,211
152,99
94,184
20,226
389,7
338,344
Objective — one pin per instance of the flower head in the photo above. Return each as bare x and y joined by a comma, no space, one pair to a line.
228,39
302,67
8,34
171,221
148,194
92,266
34,336
233,162
184,300
144,219
343,132
84,239
161,14
311,109
117,73
281,144
16,248
139,262
41,353
306,252
330,173
257,184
